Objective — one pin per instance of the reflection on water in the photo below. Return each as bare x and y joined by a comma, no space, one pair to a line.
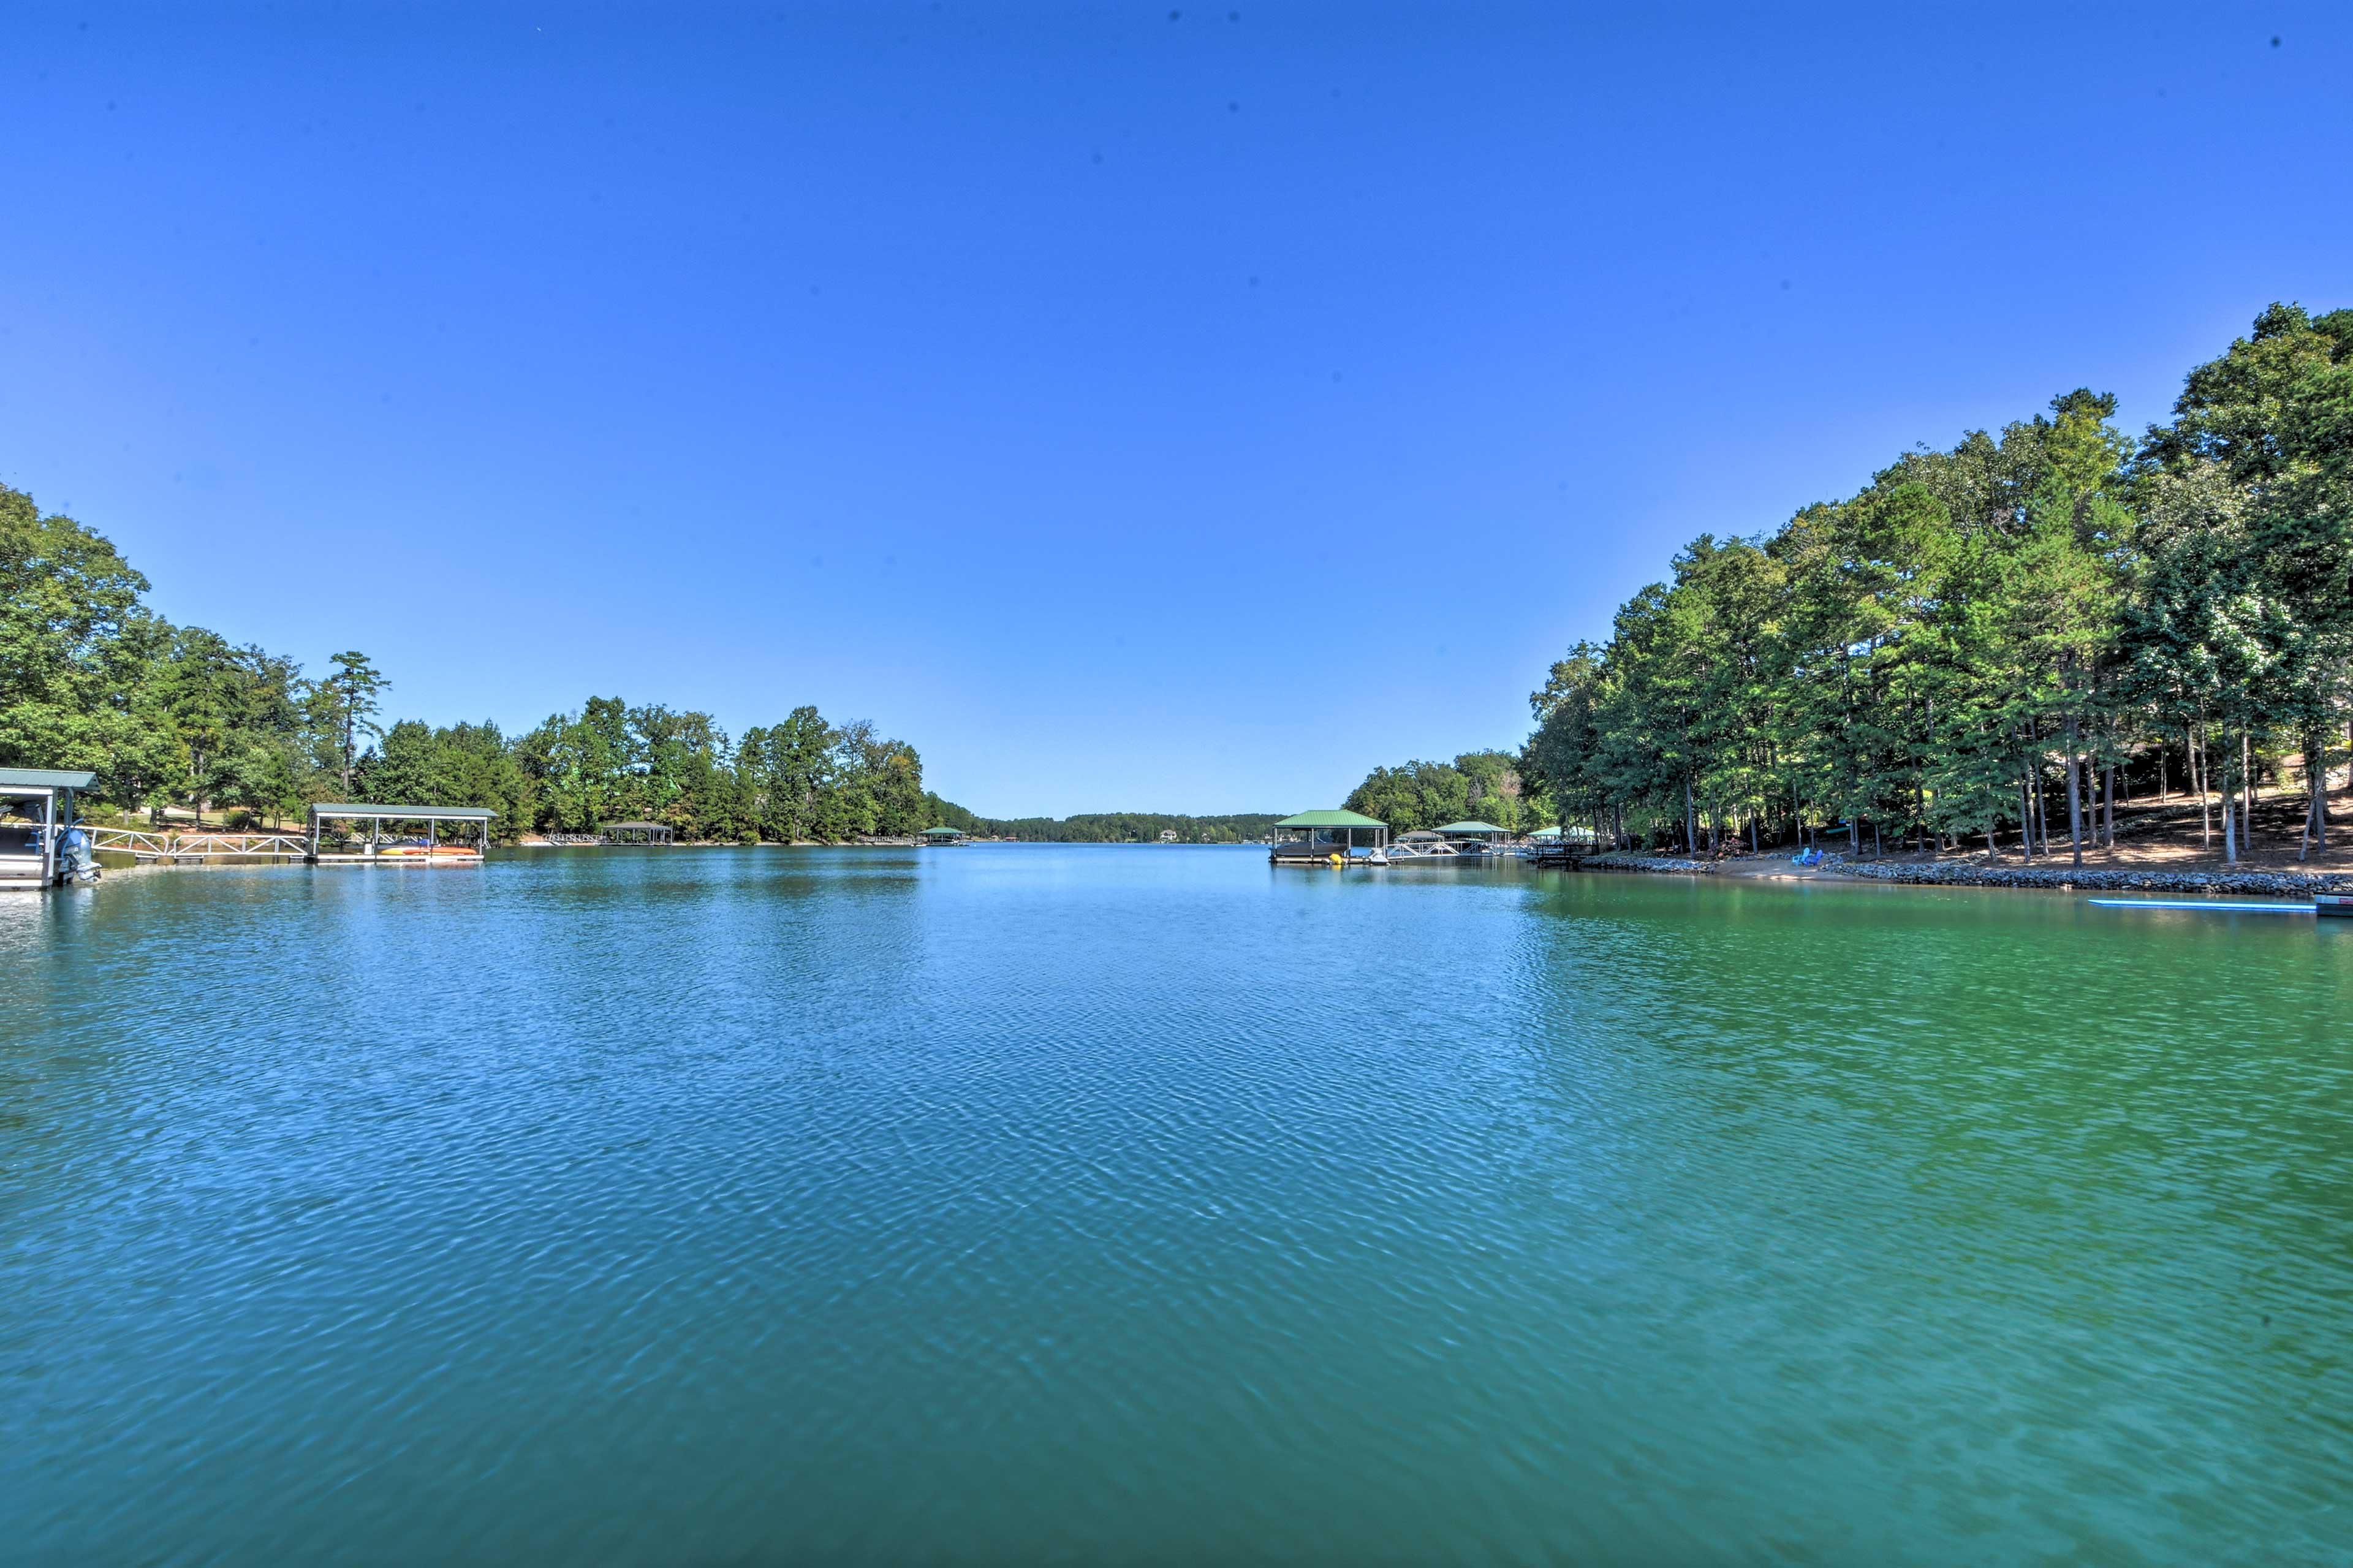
25,925
1024,1201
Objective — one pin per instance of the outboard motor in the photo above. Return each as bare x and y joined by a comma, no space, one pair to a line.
80,862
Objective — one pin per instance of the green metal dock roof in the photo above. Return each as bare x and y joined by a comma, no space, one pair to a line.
410,813
44,778
944,833
1469,827
1331,819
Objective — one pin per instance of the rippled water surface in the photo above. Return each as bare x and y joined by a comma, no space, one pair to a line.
1018,1202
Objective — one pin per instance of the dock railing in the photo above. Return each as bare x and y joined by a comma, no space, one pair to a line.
172,844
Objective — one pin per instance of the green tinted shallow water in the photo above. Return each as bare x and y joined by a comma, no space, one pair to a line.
1023,1203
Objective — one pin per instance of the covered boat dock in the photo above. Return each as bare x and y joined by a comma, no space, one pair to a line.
1326,837
1562,847
33,851
335,839
1472,839
635,833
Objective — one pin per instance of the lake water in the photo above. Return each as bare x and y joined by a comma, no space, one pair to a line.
1025,1203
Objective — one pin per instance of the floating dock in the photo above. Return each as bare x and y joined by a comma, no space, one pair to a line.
2215,906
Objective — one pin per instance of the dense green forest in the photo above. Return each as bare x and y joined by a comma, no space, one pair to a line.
2008,632
1483,786
171,716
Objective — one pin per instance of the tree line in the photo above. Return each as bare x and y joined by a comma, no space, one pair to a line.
1477,786
1120,827
1999,637
172,716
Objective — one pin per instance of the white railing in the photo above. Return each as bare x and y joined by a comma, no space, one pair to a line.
130,839
243,844
169,844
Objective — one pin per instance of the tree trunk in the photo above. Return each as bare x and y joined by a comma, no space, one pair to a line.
2197,781
2108,805
2041,818
1990,850
2075,797
2230,816
2246,791
2026,821
2316,771
1690,832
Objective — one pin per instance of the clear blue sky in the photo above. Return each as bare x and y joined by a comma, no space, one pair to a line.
1133,407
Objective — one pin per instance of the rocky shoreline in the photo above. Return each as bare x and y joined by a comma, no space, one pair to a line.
1666,863
2106,879
1966,874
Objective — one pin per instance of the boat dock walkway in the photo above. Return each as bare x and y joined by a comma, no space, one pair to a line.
170,848
337,835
